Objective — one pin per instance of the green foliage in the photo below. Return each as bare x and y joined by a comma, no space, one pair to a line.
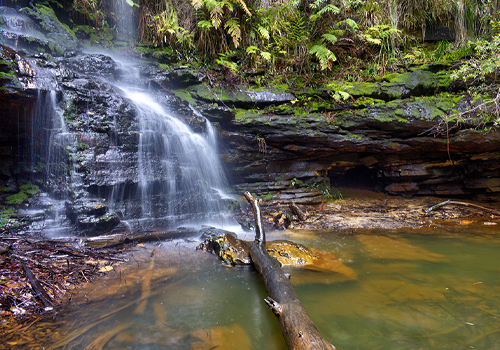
30,189
267,196
225,61
330,194
16,199
131,3
484,63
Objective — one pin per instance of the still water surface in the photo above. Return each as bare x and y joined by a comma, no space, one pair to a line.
415,289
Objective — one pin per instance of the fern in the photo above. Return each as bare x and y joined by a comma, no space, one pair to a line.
205,25
316,4
349,23
324,55
244,6
252,50
266,55
197,4
330,8
298,30
264,33
216,16
233,28
330,37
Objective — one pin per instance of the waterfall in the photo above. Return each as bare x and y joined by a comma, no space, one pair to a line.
179,172
125,26
104,150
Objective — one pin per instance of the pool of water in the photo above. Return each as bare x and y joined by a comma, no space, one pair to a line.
415,289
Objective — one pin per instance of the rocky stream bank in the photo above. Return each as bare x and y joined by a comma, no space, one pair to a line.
390,140
396,135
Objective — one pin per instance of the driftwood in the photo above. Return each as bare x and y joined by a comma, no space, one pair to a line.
298,329
297,211
114,240
442,204
37,287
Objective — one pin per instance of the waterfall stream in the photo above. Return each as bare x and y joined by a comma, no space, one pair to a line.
106,148
179,171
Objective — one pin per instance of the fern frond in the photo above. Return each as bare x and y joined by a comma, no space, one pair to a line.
351,23
330,37
252,50
298,30
324,56
330,8
264,33
245,8
233,28
266,55
197,4
316,4
216,16
205,25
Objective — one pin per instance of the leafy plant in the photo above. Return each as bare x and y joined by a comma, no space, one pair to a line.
329,194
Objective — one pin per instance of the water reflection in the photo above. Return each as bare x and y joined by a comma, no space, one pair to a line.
413,291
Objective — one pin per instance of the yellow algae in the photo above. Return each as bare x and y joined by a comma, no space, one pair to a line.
382,247
233,337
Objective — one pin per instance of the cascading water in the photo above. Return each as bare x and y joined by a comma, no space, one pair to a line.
179,172
107,150
125,22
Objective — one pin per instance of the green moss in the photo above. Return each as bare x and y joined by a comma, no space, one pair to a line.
185,95
5,216
48,12
16,199
242,114
267,197
355,136
26,191
30,189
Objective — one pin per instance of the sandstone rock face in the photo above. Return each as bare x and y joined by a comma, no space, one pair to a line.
392,139
283,144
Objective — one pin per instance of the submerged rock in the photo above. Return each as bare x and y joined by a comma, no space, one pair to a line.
233,251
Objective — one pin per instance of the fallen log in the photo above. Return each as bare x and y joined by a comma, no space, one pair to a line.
297,328
37,287
465,204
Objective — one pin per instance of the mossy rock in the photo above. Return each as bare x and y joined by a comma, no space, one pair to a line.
233,251
240,97
26,191
395,86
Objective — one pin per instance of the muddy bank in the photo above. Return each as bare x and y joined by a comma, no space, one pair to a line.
366,209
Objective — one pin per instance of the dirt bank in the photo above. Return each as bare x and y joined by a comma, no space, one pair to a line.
366,209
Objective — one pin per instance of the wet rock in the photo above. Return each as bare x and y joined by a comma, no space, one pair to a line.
91,215
35,30
227,247
92,64
230,205
178,78
238,96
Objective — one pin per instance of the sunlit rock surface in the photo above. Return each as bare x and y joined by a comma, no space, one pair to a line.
292,256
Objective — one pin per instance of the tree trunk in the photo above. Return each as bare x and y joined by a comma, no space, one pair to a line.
298,329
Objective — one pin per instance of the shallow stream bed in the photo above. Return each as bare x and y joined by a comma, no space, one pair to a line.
429,288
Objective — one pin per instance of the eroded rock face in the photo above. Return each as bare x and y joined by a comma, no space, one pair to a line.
392,140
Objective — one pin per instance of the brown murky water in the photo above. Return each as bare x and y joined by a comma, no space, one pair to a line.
433,288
